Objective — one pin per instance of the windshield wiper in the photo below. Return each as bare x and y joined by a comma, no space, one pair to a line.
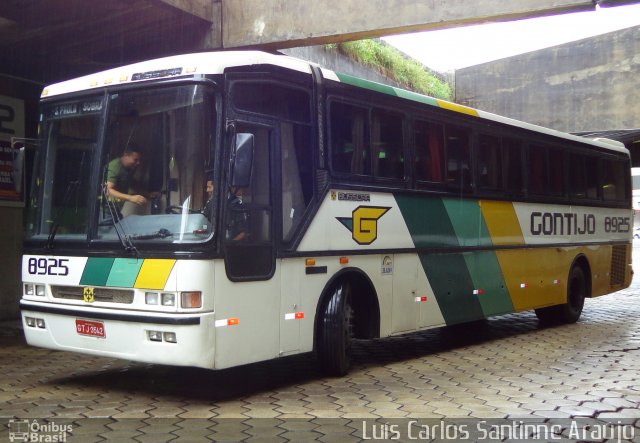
162,233
72,186
125,239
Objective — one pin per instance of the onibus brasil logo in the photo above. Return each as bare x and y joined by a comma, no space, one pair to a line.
363,223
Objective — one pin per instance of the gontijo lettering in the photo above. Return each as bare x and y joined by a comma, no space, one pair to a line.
570,223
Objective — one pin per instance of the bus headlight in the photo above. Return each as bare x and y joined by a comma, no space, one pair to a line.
151,298
40,290
170,337
28,289
191,300
168,299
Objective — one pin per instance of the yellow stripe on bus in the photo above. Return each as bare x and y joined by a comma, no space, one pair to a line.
535,277
457,108
502,222
154,273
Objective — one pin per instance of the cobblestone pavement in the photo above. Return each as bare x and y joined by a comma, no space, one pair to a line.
507,371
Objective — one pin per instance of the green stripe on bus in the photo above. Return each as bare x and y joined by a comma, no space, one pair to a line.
124,272
466,219
416,97
427,220
430,225
452,286
96,271
389,90
362,83
488,282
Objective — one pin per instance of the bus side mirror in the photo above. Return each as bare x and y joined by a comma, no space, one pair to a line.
243,147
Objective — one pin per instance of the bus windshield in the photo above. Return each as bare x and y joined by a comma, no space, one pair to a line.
132,166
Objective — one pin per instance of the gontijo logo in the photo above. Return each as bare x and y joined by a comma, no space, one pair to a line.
88,294
363,223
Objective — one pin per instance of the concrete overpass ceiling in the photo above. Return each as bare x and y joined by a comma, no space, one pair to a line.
287,23
49,40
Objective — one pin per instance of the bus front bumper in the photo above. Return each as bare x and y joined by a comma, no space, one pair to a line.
162,338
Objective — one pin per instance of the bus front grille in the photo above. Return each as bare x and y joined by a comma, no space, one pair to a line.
107,295
618,264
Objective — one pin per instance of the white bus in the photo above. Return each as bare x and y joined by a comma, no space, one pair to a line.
635,185
339,209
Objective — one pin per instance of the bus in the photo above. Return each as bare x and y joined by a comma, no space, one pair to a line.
290,209
635,185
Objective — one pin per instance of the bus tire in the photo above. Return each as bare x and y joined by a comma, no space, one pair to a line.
335,332
570,311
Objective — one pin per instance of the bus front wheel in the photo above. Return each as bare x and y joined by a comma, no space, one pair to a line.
570,311
335,332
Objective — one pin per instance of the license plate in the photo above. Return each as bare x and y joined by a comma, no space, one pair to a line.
90,328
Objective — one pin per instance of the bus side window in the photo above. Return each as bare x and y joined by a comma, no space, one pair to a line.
592,178
512,166
458,158
577,177
388,155
350,148
613,183
429,158
538,172
557,172
490,162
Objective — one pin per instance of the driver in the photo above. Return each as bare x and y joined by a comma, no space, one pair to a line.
119,177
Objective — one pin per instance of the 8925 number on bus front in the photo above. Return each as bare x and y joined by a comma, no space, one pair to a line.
48,266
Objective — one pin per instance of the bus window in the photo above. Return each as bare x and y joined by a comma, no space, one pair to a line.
458,158
490,162
297,175
591,164
538,173
512,166
71,141
613,183
556,171
429,139
388,155
349,144
272,99
577,177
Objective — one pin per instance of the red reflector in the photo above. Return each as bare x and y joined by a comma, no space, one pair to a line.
299,315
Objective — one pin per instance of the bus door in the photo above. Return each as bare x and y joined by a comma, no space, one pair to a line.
278,105
251,291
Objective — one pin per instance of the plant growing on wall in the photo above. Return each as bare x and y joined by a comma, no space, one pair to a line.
392,63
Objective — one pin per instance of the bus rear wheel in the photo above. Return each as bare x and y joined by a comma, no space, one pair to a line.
570,311
335,332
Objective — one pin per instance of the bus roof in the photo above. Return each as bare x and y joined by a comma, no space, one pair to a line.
218,62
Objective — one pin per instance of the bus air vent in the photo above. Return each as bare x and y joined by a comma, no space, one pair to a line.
106,295
618,264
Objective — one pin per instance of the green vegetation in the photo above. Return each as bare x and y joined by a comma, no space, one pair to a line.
393,64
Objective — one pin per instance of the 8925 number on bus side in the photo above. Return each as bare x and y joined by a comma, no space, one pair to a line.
616,224
48,266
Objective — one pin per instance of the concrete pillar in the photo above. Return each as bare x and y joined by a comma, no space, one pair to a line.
18,117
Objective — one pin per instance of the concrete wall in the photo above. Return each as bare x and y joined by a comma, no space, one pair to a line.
11,217
588,85
334,60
